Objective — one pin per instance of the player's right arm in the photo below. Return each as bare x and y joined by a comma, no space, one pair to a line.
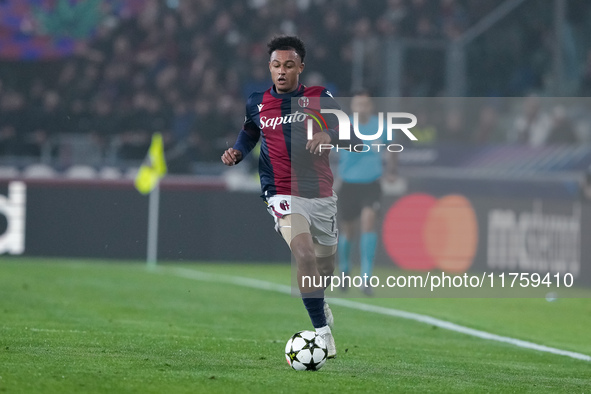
231,156
246,141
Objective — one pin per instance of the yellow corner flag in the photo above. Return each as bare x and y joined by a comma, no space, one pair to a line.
153,168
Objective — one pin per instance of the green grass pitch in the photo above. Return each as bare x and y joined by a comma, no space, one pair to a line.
114,327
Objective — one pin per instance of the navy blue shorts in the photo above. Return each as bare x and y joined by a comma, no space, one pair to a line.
353,197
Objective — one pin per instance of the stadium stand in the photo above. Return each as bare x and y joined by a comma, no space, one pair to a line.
94,91
39,171
80,172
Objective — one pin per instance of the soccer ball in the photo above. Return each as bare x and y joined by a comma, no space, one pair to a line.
306,351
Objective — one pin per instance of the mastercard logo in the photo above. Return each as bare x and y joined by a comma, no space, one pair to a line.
421,232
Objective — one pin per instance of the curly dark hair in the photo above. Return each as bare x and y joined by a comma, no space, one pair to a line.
287,42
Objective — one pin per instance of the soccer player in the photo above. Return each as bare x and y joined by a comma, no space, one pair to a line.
361,193
296,179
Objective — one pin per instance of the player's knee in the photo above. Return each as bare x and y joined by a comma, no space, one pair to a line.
326,269
326,264
305,257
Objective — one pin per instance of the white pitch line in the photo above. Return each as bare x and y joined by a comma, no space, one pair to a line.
264,285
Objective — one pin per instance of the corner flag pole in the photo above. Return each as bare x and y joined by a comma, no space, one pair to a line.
147,181
153,213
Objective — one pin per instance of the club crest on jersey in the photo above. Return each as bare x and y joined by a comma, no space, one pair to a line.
284,205
303,101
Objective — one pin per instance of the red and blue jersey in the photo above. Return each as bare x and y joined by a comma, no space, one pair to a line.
285,166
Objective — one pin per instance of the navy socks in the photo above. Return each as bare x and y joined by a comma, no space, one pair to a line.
314,303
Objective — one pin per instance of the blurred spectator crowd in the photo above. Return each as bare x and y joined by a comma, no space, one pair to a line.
185,68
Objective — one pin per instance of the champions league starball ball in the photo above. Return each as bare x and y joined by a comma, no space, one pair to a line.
306,351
